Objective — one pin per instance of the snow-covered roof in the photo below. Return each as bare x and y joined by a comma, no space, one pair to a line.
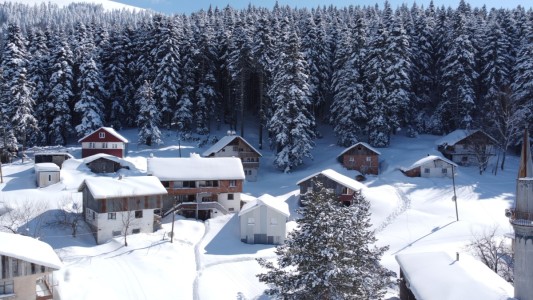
107,187
46,167
429,158
29,249
53,153
94,157
362,144
458,135
337,177
439,276
108,129
223,142
195,168
266,200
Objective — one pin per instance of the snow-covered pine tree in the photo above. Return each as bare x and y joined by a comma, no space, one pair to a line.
330,255
149,116
183,116
291,125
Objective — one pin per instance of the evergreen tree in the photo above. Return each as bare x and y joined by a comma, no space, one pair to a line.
291,125
184,114
330,254
149,116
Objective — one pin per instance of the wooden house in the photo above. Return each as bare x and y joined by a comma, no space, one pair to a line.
430,166
344,187
109,203
105,163
361,157
467,147
236,146
26,266
51,157
440,276
103,140
200,187
263,221
47,174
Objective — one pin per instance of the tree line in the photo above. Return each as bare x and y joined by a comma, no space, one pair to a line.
367,71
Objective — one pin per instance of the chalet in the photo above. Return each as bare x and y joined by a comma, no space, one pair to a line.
263,221
26,266
439,276
199,187
430,166
109,204
105,163
234,145
361,157
51,157
103,140
467,147
46,174
343,186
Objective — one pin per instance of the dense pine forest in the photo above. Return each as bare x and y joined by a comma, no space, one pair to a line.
367,71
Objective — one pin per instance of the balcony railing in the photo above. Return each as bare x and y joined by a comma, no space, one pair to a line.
520,218
199,206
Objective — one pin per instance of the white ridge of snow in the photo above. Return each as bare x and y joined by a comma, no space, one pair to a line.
107,187
267,200
196,168
428,158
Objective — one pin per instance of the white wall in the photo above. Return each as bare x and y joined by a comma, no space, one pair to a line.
266,221
46,178
435,169
228,204
107,226
98,145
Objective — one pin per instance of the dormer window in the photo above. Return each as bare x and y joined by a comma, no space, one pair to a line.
101,135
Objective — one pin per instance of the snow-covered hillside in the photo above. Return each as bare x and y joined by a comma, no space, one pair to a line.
207,259
106,4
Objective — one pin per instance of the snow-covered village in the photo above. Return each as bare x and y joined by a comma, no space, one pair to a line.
280,151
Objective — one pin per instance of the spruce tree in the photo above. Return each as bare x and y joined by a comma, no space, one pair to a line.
330,255
149,116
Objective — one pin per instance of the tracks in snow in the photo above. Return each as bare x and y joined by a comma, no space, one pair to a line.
404,204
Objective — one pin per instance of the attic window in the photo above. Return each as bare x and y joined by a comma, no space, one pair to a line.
101,135
359,148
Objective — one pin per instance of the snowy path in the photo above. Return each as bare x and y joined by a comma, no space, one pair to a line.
403,205
196,292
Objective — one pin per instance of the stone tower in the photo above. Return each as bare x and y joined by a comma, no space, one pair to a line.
521,217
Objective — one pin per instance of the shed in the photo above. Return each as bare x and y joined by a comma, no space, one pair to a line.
51,157
47,174
430,166
361,157
439,276
105,163
263,221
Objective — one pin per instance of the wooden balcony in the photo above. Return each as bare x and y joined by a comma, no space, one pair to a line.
520,218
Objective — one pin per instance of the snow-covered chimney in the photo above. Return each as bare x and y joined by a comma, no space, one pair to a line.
195,155
228,132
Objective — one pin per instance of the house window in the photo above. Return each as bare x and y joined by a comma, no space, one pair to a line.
426,170
352,159
112,216
231,209
444,171
94,216
138,214
309,189
15,267
104,145
464,158
33,268
92,145
49,177
251,221
344,190
114,145
232,183
230,196
101,135
273,221
43,269
6,287
368,158
136,230
235,148
166,183
116,233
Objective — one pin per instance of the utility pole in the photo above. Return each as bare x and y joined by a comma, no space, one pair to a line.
454,198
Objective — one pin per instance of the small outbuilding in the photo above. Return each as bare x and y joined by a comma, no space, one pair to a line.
344,187
51,157
105,163
361,157
47,174
430,166
440,276
263,221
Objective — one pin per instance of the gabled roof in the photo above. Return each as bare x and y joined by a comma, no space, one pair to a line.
29,249
94,157
362,144
223,142
196,168
429,158
337,177
438,276
458,135
110,131
53,153
107,187
269,201
46,167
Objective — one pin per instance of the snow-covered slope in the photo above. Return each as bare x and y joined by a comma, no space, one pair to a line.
106,4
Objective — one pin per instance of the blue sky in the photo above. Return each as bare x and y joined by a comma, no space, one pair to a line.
188,6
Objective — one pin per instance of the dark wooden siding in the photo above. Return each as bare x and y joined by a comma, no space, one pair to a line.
102,165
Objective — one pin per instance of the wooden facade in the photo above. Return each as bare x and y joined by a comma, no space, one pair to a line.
474,146
103,140
360,157
48,157
104,165
344,188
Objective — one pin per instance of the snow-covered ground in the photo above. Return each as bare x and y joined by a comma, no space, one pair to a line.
207,259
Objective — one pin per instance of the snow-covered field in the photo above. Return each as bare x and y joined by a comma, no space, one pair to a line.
207,259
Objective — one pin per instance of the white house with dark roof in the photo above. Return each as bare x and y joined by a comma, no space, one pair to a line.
46,174
26,266
103,140
110,202
263,221
200,187
430,166
440,276
236,146
343,186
